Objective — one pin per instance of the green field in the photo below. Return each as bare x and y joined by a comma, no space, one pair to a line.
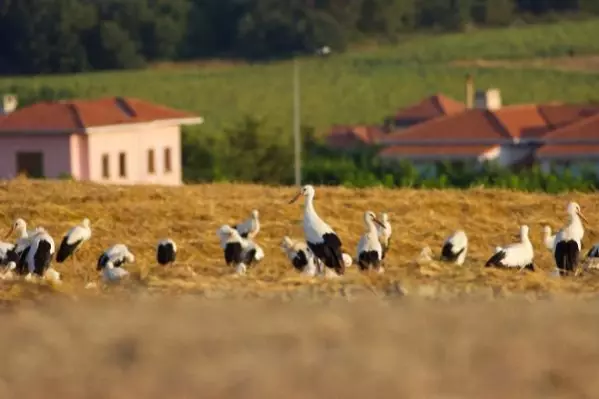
359,86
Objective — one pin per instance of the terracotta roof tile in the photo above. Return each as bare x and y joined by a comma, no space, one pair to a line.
584,130
522,121
435,150
510,122
559,115
431,107
348,135
472,126
76,115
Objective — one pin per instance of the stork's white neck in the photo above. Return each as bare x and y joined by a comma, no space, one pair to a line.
370,227
309,205
22,231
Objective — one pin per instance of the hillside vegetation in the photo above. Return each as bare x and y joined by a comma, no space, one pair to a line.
357,87
140,216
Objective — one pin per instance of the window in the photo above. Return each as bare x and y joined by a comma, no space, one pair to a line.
151,167
105,167
122,165
167,160
30,164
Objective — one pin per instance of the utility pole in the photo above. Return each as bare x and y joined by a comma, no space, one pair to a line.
322,52
296,123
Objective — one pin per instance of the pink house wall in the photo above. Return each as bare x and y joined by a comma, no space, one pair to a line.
56,150
135,143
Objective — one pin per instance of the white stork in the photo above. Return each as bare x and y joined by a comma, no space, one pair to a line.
112,259
23,242
455,247
370,250
548,238
568,241
250,227
592,258
73,240
301,257
166,251
320,237
519,255
40,253
8,255
384,233
239,252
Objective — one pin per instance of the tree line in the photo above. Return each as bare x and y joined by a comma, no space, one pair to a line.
236,156
61,36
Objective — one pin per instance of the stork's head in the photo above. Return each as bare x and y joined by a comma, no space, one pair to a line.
85,222
523,231
225,231
18,226
370,217
547,230
130,257
384,217
307,191
574,210
255,214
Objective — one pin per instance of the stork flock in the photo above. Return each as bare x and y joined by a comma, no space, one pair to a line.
320,254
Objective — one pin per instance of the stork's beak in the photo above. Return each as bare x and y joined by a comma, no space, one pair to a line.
10,232
296,197
379,223
582,216
516,237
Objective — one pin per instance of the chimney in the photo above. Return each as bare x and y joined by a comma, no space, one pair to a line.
469,91
9,104
488,99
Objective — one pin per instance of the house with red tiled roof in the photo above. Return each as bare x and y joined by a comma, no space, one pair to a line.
344,137
510,135
110,140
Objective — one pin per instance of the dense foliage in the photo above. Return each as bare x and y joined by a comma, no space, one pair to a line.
244,159
45,36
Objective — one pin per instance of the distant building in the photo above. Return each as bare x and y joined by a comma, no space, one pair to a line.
440,129
109,140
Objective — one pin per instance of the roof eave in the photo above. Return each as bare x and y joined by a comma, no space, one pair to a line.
21,131
149,124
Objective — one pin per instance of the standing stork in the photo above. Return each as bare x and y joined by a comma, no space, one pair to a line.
455,248
301,257
568,241
73,240
384,233
40,253
238,251
23,243
370,250
166,251
8,255
320,237
519,255
112,259
548,238
250,227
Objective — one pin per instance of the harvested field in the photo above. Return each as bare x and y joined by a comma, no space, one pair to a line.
139,216
227,349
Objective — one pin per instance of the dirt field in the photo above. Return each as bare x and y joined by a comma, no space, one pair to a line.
140,216
228,349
